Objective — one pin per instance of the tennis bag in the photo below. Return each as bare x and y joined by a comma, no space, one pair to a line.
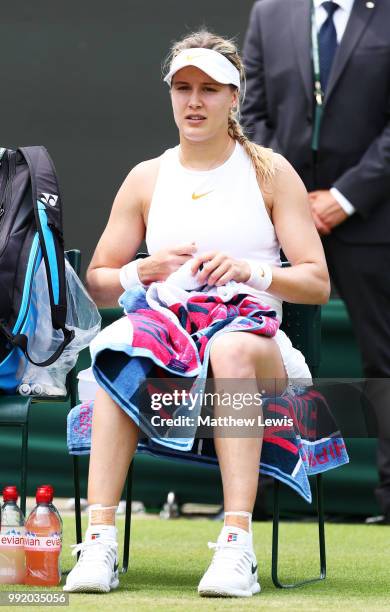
30,230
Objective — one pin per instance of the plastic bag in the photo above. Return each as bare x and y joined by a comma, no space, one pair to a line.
82,316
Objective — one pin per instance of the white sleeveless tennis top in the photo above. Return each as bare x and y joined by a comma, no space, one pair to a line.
220,209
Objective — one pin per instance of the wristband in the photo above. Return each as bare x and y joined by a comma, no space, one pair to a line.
128,275
261,275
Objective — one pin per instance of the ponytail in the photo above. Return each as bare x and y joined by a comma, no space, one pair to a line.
261,157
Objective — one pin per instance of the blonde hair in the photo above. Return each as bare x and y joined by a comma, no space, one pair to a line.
262,157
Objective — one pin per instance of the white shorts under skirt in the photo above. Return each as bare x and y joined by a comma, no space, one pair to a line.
294,362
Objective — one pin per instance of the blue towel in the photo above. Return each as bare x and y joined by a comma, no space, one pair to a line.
291,459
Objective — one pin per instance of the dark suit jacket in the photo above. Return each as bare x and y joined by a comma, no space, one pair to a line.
354,147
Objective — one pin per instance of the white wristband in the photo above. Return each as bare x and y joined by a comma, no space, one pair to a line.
261,275
128,275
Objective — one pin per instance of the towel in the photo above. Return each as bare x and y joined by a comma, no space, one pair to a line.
313,444
165,337
167,332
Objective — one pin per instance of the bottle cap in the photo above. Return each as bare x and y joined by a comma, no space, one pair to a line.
10,493
44,494
24,389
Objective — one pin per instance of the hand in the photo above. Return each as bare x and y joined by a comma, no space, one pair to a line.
159,266
218,269
327,212
322,228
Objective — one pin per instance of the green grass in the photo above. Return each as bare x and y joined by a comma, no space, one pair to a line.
167,559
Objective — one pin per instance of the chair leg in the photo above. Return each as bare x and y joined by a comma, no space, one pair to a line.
126,542
321,526
23,483
321,534
77,508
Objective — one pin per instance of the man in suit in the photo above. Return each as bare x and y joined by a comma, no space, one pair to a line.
341,92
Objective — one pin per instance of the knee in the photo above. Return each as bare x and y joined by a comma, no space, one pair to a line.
230,356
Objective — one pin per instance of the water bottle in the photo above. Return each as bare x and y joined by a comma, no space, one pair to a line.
43,540
51,505
12,562
48,381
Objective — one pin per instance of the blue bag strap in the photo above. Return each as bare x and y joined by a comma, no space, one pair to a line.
48,217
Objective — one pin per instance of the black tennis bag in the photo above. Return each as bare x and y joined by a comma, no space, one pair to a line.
30,229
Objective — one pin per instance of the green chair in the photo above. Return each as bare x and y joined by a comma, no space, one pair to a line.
14,409
302,323
14,413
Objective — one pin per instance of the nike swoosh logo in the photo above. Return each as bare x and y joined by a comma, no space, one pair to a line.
189,58
253,569
196,196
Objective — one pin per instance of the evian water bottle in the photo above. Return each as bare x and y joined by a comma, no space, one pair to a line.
43,538
12,566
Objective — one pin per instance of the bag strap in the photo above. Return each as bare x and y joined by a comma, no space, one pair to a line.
48,217
47,210
21,341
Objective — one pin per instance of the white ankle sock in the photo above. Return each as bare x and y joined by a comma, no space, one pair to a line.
235,537
102,532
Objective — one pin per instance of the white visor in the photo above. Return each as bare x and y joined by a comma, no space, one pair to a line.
213,63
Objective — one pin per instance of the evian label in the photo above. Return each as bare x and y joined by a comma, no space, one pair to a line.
12,538
35,542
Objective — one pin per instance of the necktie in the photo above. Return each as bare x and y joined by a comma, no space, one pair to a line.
327,42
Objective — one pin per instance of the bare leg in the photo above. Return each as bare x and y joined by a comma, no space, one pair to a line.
114,441
233,356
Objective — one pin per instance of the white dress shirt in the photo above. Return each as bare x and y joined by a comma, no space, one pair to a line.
340,19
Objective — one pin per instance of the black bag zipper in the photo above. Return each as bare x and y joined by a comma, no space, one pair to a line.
4,190
7,186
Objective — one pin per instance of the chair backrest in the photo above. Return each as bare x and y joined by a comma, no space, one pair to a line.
302,324
74,258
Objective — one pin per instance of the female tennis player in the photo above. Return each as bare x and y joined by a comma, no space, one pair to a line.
229,206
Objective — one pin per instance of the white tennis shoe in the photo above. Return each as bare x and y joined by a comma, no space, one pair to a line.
96,571
233,569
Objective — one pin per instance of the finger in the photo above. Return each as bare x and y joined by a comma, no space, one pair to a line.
182,256
196,264
313,195
325,225
209,267
322,228
320,225
220,271
225,278
207,256
185,249
180,260
200,261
